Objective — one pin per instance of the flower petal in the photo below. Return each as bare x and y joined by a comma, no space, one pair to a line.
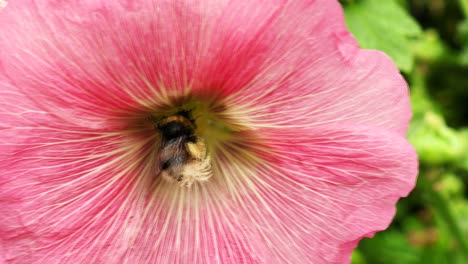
86,60
277,59
72,189
326,188
77,196
292,63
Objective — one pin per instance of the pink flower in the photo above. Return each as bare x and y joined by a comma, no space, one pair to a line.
196,131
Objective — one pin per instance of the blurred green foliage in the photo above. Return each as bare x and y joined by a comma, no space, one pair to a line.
391,35
428,40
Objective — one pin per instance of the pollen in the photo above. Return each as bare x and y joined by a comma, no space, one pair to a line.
197,150
199,168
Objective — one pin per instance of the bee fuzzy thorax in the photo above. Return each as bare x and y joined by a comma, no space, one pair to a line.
183,156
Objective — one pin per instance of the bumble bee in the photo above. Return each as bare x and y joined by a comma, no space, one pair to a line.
182,155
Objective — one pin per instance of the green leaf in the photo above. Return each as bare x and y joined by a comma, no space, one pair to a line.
464,6
434,141
357,257
463,163
383,25
391,247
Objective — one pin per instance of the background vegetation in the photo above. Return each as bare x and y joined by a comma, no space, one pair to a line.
428,40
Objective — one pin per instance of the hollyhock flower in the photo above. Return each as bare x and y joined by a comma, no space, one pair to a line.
196,131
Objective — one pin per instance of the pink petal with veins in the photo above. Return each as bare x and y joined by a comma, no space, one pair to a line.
311,155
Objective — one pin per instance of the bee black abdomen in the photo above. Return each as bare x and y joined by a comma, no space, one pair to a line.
174,130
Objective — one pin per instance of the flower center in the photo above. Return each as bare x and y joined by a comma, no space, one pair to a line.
185,140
